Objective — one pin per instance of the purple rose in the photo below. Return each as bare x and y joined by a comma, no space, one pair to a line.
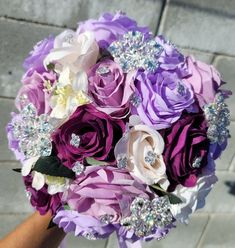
40,199
81,225
34,91
110,27
186,149
13,143
163,98
105,190
110,88
35,59
96,132
171,59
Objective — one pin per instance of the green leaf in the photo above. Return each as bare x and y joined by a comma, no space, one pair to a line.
92,161
67,207
172,198
17,170
52,166
51,67
51,224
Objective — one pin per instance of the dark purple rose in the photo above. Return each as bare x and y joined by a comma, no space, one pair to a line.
34,91
94,134
110,88
109,28
35,59
40,199
186,149
163,98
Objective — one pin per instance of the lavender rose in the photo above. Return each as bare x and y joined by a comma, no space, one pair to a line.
171,59
40,199
110,88
88,133
164,96
34,91
110,27
186,149
35,59
105,190
204,79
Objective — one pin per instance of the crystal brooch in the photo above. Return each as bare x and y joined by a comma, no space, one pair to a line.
33,132
134,51
146,215
218,117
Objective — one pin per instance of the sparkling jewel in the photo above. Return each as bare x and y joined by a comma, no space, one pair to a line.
106,218
218,117
103,70
134,51
89,236
69,38
197,162
148,215
181,89
78,168
122,161
135,100
150,158
33,132
28,194
75,140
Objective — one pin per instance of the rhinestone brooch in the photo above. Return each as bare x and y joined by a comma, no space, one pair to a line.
134,51
33,132
146,216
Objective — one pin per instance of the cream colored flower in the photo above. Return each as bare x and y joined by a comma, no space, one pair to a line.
55,184
76,51
142,149
69,93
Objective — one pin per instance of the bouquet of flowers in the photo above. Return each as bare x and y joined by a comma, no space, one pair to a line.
117,131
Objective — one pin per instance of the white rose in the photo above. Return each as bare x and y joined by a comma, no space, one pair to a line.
142,147
76,51
193,198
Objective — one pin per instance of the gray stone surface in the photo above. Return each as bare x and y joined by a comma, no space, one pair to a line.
225,7
199,29
196,226
6,107
72,11
219,232
224,162
205,57
12,190
222,197
225,66
17,39
9,222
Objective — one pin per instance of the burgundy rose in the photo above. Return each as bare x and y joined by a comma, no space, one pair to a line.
40,199
88,133
110,88
186,149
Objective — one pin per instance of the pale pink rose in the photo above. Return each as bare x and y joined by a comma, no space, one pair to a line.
143,147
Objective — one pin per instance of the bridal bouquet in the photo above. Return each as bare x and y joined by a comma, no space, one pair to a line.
117,131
